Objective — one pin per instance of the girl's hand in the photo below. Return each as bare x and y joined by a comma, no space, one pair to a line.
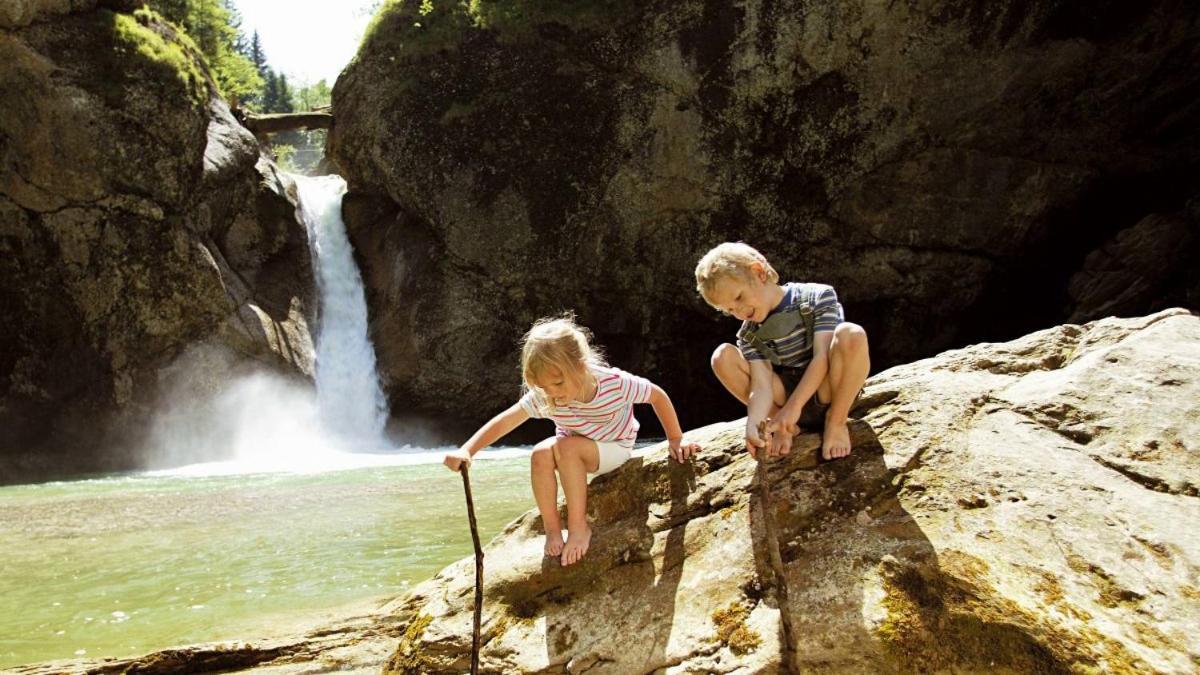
679,451
456,460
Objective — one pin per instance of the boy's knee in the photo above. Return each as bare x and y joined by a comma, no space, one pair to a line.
850,336
724,356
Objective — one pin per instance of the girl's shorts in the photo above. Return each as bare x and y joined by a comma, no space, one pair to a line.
612,455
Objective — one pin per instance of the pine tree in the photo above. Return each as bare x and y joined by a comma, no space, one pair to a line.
284,104
234,19
270,95
257,56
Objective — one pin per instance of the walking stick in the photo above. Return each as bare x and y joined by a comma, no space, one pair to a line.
781,592
478,572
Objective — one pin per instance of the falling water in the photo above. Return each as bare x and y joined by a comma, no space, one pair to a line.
263,422
350,402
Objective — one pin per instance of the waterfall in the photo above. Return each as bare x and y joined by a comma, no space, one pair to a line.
262,422
350,401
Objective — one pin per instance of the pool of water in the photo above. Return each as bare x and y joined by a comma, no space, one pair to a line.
126,564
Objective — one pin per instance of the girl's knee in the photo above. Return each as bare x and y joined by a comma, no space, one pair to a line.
543,455
568,447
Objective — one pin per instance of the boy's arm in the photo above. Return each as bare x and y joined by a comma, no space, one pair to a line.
759,405
496,428
670,423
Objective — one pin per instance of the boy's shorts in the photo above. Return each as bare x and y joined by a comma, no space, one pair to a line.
813,415
612,455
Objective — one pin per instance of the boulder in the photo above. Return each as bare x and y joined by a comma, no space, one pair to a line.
1022,507
947,167
137,220
1019,507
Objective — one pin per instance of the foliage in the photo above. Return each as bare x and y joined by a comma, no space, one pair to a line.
417,28
215,27
307,148
136,34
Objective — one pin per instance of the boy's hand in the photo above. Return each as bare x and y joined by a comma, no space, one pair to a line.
755,431
456,460
780,444
783,429
679,451
786,421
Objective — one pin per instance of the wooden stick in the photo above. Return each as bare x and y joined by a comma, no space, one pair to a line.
478,572
781,592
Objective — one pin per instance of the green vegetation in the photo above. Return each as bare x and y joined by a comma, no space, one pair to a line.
174,34
215,28
418,27
302,151
137,34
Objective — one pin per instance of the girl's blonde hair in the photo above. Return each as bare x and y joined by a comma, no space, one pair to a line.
731,259
559,342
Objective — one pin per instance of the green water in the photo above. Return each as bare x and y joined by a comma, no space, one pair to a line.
125,565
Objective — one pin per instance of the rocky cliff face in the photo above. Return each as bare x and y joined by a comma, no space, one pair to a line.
137,221
947,166
1018,507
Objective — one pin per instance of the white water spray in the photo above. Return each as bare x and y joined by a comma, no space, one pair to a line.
263,422
350,401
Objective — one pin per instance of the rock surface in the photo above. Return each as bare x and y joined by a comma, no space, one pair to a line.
947,166
137,221
1026,506
1019,507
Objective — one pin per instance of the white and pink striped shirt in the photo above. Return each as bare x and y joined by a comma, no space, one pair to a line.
607,417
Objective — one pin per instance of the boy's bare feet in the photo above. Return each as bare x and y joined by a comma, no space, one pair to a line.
577,545
554,542
835,441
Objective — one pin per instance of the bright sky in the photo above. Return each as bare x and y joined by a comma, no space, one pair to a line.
307,39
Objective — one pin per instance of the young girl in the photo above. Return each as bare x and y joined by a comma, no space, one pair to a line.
591,404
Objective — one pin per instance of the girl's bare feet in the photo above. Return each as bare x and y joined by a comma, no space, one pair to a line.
835,441
554,542
577,545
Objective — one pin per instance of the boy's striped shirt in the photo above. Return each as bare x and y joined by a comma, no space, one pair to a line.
607,417
793,349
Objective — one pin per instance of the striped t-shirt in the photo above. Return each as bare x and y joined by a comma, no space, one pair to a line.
793,349
607,417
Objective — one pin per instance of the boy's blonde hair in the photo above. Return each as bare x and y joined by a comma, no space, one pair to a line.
559,342
731,259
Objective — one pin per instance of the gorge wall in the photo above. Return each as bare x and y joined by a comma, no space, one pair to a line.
145,242
958,171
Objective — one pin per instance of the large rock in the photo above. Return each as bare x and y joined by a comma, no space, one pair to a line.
1018,507
1023,507
947,166
137,222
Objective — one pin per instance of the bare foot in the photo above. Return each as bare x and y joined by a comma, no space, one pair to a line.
835,442
554,542
577,545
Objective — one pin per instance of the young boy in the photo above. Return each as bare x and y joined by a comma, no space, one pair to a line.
797,361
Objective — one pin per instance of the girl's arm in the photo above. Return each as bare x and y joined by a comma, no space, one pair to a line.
670,423
496,428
